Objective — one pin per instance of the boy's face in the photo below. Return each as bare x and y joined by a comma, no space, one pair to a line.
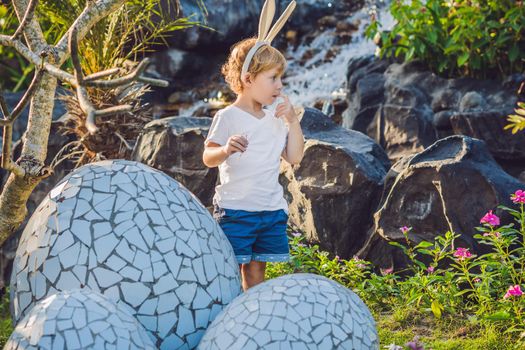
266,86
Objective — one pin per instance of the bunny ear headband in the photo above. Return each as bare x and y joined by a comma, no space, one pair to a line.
265,35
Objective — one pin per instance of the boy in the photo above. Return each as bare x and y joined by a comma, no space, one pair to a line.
246,142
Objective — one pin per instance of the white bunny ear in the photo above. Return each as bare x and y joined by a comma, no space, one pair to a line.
266,18
280,22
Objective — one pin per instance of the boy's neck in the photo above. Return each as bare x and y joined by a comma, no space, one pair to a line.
248,104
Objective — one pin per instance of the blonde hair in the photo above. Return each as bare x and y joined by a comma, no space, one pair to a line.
266,58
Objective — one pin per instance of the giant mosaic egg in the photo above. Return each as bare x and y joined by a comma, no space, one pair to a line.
299,311
135,235
78,319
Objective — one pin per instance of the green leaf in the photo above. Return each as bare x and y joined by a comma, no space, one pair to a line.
399,245
462,59
514,53
424,244
436,308
498,316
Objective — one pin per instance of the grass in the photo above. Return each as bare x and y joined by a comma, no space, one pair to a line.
402,326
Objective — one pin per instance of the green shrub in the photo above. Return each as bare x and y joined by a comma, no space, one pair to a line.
476,38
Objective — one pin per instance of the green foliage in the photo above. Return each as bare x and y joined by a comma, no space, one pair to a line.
476,38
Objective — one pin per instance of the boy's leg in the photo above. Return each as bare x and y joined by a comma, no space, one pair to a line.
252,274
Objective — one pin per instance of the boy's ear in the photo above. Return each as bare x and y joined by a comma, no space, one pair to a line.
247,79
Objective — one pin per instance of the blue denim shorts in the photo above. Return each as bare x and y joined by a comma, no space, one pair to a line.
255,235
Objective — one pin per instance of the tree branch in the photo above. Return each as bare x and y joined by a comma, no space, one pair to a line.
102,74
7,123
37,60
32,30
73,48
28,17
3,107
136,75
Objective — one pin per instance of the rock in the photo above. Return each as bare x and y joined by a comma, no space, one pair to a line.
489,126
448,186
175,145
184,69
368,96
406,108
234,20
472,100
336,187
365,92
403,131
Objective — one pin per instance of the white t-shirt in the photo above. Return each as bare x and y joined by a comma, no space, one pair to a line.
249,180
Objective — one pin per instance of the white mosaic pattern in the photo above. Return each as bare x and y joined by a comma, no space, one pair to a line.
137,236
299,311
78,319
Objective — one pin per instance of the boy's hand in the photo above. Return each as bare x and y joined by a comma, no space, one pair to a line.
236,143
286,111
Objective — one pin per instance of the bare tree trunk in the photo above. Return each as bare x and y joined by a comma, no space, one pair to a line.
17,189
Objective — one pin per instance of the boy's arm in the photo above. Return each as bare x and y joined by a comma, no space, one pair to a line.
294,150
214,154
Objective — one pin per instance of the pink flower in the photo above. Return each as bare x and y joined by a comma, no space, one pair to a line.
518,197
513,291
387,271
337,258
405,229
296,234
490,219
361,266
430,269
477,280
462,253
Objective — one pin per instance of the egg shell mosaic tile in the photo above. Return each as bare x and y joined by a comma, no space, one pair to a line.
299,311
78,319
135,235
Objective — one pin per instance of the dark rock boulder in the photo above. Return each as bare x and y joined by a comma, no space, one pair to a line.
336,187
406,108
175,145
488,126
448,186
232,21
365,90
